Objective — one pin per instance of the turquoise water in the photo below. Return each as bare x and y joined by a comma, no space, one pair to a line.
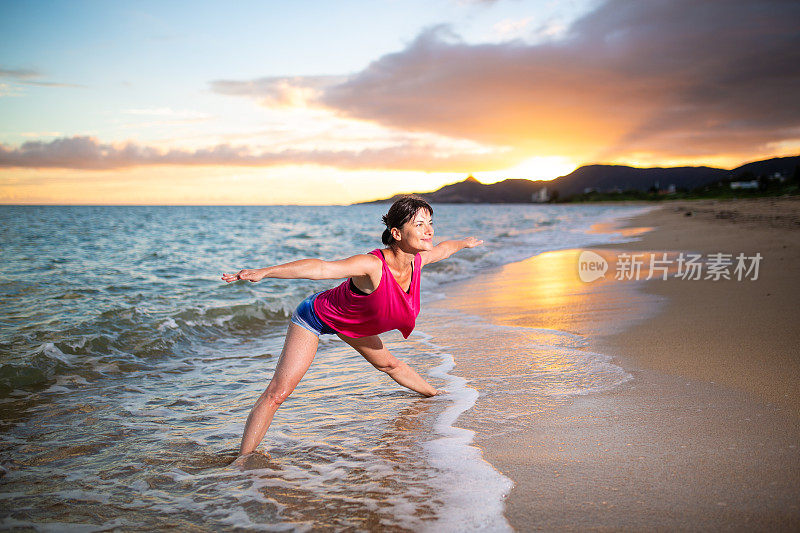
129,367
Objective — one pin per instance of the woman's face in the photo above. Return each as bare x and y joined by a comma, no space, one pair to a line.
417,233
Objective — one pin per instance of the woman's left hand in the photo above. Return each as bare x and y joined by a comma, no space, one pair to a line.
248,274
472,242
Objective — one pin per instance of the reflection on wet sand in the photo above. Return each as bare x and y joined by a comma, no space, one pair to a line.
546,291
613,227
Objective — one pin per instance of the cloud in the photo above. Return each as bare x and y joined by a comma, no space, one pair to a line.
669,77
90,154
278,91
164,116
9,90
30,77
38,134
476,2
168,112
19,74
512,28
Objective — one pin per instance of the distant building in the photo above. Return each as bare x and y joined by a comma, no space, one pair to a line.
752,184
541,196
588,190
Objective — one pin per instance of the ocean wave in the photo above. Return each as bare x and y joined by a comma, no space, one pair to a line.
130,338
237,318
47,362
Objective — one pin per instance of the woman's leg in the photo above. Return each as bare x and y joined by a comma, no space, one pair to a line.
298,352
375,352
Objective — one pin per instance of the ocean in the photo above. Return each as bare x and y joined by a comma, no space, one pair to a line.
128,368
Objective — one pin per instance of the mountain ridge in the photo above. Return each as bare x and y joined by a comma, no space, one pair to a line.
600,178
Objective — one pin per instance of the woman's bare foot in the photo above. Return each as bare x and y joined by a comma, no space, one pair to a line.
252,461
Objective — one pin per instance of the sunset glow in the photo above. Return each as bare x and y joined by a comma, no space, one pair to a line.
537,168
139,102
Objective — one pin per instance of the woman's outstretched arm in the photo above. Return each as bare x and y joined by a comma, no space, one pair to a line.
445,249
357,265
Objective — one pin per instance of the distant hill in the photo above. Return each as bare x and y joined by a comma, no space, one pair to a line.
768,167
606,178
602,178
472,191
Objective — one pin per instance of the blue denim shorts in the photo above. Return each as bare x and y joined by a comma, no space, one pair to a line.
306,317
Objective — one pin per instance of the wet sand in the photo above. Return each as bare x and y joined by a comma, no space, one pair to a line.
705,435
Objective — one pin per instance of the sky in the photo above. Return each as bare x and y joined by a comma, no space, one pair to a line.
311,102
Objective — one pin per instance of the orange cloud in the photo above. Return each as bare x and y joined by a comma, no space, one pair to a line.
89,153
676,78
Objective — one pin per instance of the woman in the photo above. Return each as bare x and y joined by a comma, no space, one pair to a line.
381,294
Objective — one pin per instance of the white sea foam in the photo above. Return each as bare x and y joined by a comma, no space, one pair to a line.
474,490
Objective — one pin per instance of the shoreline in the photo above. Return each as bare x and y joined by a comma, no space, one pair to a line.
704,435
750,322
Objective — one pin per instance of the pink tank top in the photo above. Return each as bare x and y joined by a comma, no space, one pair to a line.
388,307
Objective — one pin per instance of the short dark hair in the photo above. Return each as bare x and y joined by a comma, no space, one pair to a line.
402,210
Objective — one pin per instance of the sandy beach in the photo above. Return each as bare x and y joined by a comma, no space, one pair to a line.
704,434
746,331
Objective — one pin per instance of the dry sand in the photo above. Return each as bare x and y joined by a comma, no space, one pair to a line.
739,333
706,434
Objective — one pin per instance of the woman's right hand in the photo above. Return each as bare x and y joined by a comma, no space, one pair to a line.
251,275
